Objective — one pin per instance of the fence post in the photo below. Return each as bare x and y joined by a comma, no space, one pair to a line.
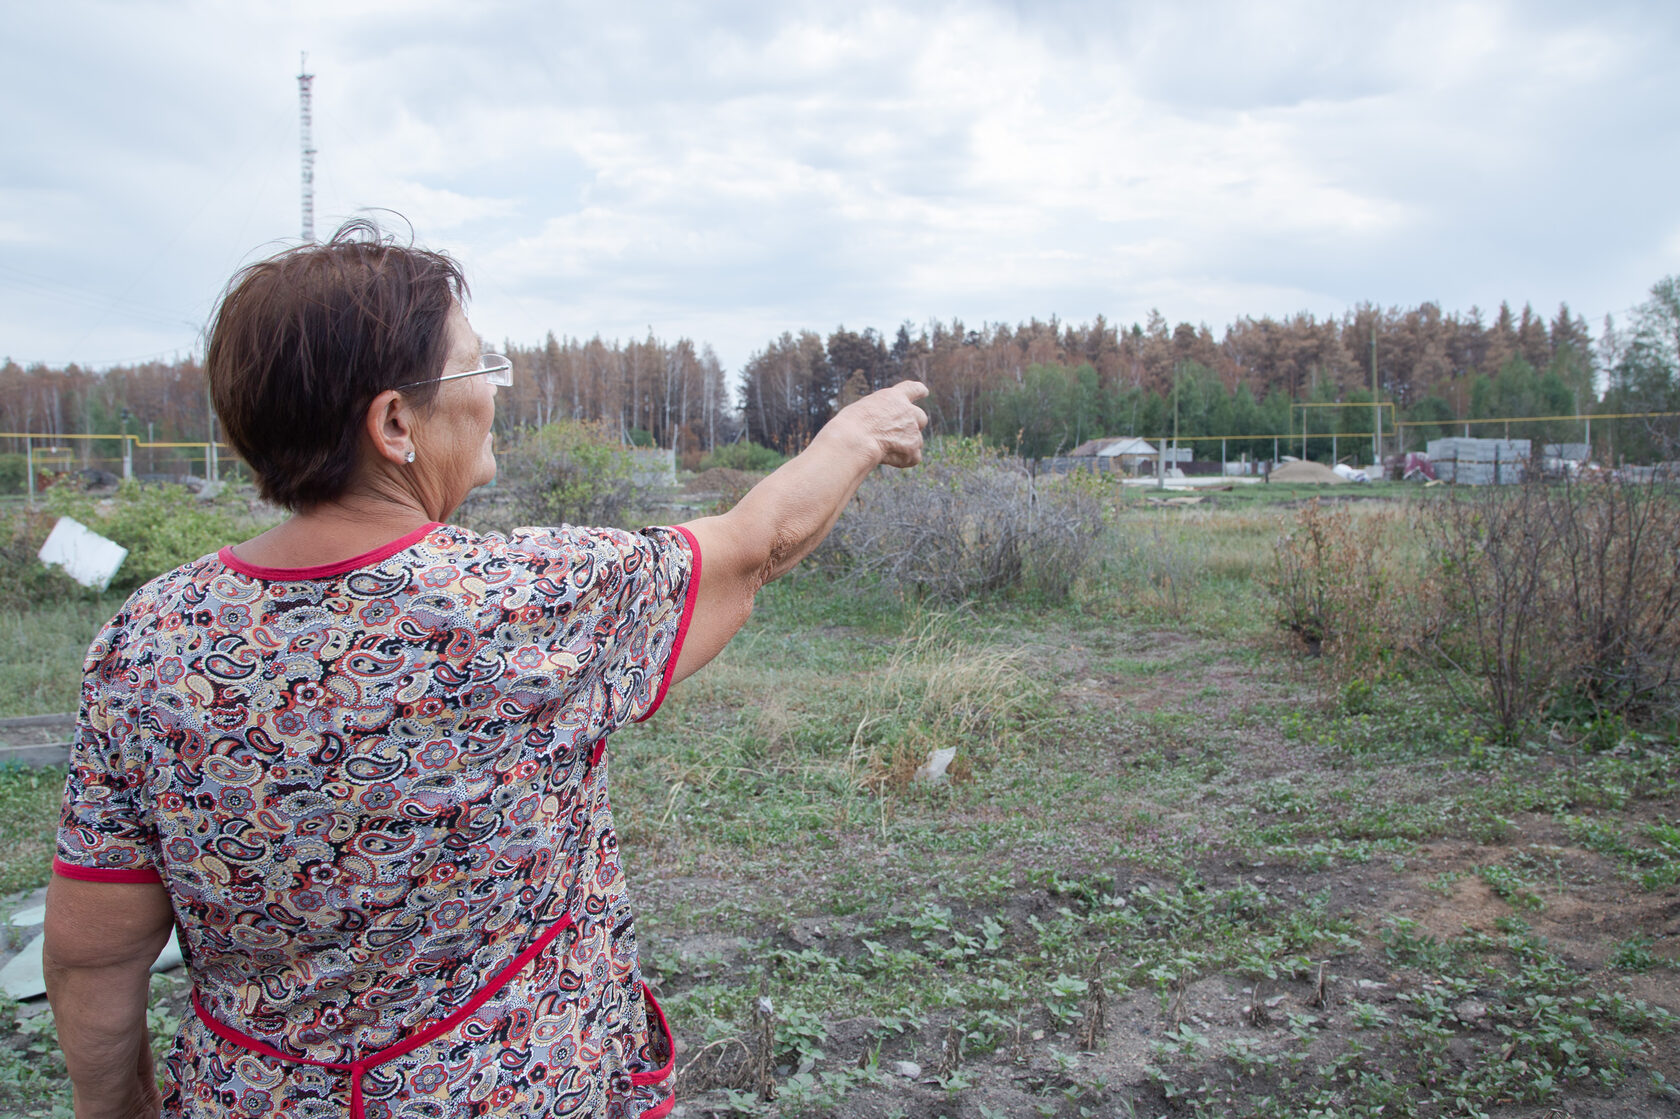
1032,496
29,466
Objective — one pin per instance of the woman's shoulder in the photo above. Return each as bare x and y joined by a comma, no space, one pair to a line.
590,544
571,561
161,602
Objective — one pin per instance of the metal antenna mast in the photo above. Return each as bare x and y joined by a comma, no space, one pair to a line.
305,79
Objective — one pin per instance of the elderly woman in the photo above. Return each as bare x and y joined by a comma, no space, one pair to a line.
358,761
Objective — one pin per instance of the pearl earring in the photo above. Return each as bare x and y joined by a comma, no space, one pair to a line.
409,457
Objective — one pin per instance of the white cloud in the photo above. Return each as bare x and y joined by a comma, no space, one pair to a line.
732,171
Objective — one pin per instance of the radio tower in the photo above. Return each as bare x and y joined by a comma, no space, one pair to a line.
304,80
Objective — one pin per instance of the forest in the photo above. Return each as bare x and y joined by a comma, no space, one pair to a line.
1036,387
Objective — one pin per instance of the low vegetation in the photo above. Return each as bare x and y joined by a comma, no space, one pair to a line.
1540,604
971,521
1233,826
564,472
162,526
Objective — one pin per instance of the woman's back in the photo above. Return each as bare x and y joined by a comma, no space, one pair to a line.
369,788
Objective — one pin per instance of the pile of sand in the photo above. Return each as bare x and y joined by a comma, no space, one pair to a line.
1297,473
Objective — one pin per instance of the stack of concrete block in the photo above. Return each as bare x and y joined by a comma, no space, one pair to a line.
1480,462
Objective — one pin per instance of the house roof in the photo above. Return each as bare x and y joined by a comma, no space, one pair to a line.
1127,446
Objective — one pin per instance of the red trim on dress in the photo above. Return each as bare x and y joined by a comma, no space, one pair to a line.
360,1066
654,1076
105,873
689,600
325,570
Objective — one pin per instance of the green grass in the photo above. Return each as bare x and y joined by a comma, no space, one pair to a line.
1153,799
41,653
29,802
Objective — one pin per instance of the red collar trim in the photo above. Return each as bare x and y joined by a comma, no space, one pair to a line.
325,570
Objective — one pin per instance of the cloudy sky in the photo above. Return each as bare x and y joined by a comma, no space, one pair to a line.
726,171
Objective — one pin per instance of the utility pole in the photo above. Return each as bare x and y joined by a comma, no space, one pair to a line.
305,80
1176,370
1376,400
210,468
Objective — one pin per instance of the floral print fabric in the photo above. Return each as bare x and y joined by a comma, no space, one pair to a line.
368,789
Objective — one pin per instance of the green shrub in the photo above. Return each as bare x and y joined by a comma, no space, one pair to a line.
161,526
569,472
24,579
14,470
750,457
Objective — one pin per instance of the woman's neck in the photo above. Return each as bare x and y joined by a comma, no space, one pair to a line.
332,532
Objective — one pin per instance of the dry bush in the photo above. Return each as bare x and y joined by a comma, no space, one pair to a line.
1550,601
726,487
1492,551
1072,510
1566,598
1619,590
1343,587
968,522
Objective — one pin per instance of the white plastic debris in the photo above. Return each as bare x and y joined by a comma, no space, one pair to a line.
21,978
85,556
938,762
171,956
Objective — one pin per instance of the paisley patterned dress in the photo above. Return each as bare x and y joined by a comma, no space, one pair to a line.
377,795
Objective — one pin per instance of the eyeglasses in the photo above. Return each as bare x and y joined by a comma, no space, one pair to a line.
498,368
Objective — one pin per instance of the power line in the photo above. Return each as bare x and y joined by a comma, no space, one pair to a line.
49,288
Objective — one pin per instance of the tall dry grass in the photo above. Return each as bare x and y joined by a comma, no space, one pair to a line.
938,690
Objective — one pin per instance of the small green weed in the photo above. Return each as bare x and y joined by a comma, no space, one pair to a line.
1508,884
1654,867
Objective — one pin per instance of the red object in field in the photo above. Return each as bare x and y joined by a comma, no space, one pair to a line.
1418,463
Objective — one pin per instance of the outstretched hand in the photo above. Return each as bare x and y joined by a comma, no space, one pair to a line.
892,420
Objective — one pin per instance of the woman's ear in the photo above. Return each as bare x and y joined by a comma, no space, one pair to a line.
390,427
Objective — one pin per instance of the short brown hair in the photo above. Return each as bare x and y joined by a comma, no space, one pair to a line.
304,341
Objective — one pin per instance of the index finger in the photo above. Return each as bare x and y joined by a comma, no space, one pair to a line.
913,390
